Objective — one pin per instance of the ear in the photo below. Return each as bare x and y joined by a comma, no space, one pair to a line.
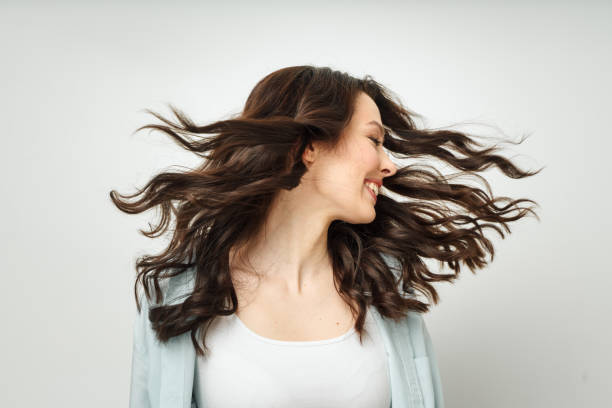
309,155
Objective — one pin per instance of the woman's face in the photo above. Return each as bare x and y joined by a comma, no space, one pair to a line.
340,176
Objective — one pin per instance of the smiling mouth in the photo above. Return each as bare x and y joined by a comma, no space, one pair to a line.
372,194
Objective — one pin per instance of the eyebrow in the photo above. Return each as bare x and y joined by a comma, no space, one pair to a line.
379,126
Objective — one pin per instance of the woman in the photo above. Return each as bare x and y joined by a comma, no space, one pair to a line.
291,276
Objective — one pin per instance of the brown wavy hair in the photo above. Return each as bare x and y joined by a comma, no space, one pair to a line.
251,156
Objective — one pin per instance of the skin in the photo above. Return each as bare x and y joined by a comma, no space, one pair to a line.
290,255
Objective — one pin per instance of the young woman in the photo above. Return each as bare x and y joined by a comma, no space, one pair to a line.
291,276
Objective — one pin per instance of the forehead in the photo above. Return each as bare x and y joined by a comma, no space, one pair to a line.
366,115
365,109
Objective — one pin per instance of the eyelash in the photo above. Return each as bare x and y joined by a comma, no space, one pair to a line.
376,141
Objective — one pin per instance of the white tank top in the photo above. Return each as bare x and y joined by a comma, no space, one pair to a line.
244,369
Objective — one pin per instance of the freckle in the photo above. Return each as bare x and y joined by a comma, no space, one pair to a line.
337,323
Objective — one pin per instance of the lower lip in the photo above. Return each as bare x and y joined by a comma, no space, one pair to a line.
371,192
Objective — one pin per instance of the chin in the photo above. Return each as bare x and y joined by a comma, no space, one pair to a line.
364,217
372,217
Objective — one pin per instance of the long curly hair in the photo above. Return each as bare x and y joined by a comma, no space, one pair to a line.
250,157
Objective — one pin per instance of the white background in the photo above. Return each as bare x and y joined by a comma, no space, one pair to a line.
532,329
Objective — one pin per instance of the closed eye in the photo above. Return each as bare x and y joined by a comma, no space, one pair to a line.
376,141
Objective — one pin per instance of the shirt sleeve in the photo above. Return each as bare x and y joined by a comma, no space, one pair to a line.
433,368
139,396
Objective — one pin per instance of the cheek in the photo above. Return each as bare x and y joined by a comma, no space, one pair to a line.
339,181
343,176
366,158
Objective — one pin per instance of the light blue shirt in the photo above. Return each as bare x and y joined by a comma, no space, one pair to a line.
162,374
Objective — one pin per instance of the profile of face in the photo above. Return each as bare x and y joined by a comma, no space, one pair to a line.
339,177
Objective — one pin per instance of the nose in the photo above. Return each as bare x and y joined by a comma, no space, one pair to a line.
388,168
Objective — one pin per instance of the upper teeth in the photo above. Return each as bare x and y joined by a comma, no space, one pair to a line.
373,186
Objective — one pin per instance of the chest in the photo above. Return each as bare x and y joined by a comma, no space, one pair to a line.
247,370
271,313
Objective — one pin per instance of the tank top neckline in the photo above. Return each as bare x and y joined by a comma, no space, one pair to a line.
293,343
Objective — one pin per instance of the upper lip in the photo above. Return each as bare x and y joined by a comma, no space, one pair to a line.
378,182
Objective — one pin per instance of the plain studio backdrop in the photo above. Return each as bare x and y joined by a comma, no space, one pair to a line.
532,329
